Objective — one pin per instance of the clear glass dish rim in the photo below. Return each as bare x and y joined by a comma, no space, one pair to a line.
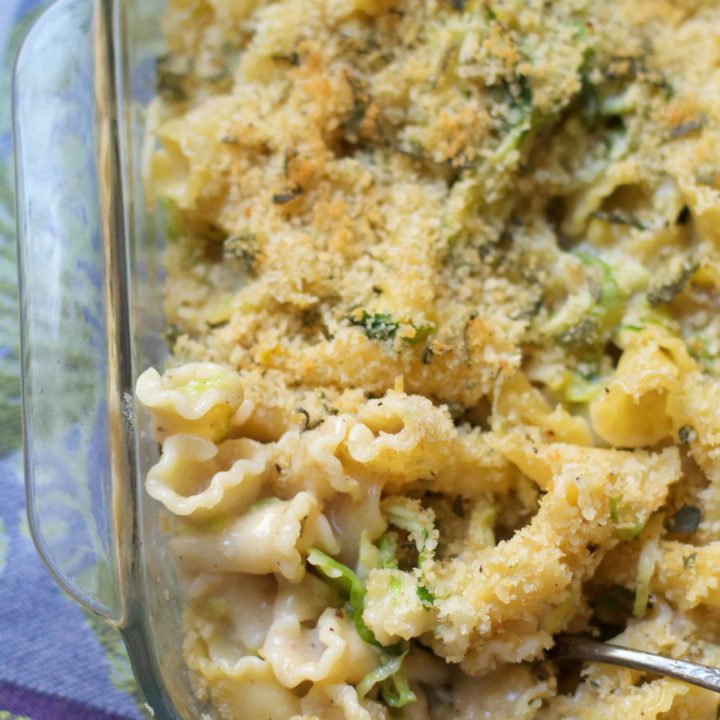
117,221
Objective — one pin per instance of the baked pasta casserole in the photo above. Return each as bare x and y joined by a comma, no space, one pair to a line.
442,292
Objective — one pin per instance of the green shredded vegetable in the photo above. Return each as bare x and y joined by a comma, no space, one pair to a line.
421,332
396,692
603,315
409,515
263,502
388,550
425,596
170,218
351,587
391,666
627,524
395,584
369,557
200,385
646,564
580,388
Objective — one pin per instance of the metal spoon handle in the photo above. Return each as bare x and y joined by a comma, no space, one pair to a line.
579,648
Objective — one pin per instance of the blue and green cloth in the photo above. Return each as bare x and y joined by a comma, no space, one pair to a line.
57,662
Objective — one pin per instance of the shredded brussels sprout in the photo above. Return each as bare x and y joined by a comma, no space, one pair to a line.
627,524
351,587
646,564
586,322
398,693
388,551
408,514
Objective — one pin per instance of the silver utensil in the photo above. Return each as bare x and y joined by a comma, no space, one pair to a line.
569,647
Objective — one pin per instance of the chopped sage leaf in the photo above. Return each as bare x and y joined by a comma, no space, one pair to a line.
685,520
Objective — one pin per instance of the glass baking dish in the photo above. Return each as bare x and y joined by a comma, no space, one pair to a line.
90,285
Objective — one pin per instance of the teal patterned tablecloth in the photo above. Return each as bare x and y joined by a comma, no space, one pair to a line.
57,662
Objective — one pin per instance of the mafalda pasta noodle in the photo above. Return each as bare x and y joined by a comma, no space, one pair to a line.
442,296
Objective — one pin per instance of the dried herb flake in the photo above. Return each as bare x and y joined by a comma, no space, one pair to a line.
244,248
666,292
686,434
617,217
286,197
425,596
